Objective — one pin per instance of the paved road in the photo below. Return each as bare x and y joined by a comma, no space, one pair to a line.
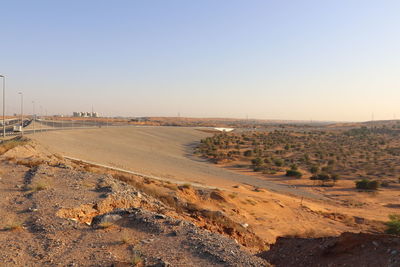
159,151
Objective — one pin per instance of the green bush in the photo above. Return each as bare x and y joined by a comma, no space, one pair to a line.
393,226
257,162
248,153
335,177
321,176
278,162
327,169
324,177
258,168
367,184
314,169
293,173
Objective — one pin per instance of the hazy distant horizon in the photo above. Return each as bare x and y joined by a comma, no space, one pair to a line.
292,60
221,118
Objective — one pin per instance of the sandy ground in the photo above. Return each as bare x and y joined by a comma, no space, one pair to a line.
158,151
267,213
167,152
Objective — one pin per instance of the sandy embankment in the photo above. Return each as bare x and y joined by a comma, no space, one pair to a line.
158,151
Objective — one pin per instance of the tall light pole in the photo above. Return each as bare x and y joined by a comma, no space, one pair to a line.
40,118
22,112
4,105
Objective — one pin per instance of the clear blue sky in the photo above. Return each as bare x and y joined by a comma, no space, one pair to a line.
320,60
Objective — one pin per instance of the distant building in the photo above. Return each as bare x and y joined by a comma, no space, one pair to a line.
85,114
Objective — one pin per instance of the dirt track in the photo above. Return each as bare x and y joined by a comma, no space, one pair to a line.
158,151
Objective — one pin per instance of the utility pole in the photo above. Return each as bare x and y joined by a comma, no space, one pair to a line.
4,105
22,112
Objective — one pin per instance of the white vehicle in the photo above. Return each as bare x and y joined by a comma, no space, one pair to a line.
17,128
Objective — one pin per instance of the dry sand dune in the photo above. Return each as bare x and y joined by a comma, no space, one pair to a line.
158,151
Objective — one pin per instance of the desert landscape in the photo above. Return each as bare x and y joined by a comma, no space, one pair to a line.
165,165
199,133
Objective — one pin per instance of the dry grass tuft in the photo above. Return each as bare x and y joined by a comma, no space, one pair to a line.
136,259
233,195
185,186
105,225
251,202
30,162
171,186
39,186
125,239
13,226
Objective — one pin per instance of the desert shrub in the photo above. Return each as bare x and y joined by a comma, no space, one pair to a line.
248,153
314,169
335,177
325,177
321,177
367,184
326,169
257,162
258,169
293,173
393,226
278,162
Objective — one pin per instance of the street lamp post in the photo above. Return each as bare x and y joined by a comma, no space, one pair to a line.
22,112
40,118
4,105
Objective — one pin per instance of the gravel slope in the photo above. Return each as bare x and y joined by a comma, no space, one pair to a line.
47,226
